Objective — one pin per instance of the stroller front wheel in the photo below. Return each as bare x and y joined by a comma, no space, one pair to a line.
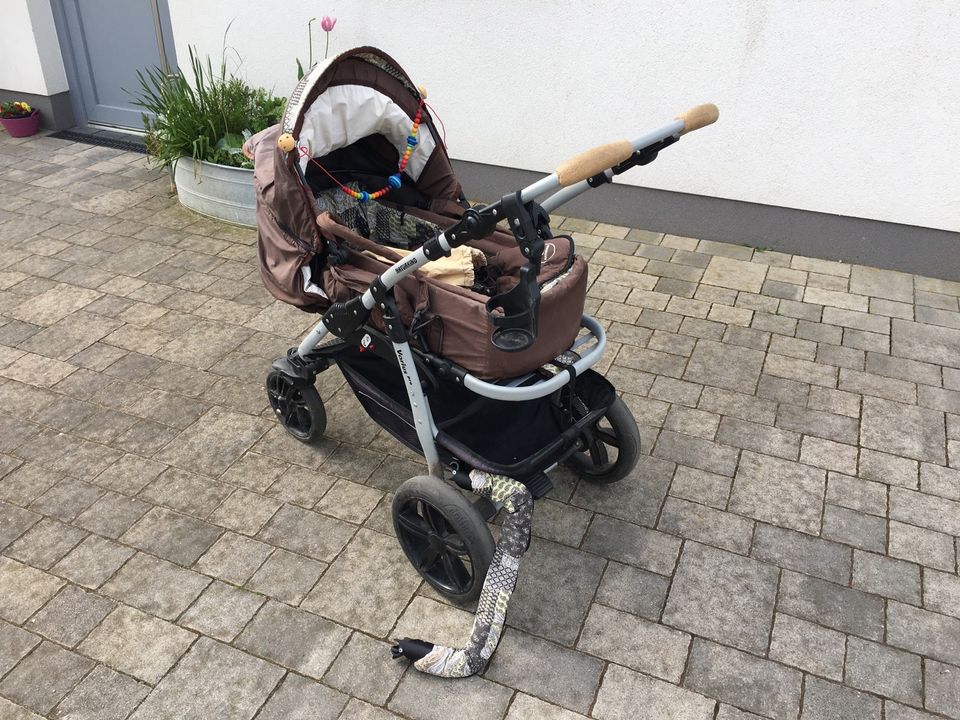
443,536
614,447
298,407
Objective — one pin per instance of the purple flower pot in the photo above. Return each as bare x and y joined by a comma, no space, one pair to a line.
22,126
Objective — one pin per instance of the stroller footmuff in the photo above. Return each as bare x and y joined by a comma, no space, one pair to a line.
459,329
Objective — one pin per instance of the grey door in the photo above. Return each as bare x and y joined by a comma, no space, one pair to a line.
104,43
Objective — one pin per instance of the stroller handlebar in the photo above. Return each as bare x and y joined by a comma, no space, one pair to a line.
698,117
589,163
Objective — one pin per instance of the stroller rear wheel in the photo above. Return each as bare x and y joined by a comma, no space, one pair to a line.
443,537
298,407
614,447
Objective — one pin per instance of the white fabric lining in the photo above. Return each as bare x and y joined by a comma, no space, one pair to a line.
308,284
344,114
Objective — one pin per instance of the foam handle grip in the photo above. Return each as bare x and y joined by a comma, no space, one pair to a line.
698,117
589,163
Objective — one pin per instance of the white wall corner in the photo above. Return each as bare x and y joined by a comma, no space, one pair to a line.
48,46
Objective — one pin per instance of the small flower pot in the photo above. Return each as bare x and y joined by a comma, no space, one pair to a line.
22,126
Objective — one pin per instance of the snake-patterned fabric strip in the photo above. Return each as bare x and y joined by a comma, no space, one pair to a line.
497,587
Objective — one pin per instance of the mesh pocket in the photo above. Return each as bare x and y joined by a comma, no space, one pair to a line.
382,224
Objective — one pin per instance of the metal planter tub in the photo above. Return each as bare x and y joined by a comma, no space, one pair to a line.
216,191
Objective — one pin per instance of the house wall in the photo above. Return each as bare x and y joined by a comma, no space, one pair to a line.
840,108
30,60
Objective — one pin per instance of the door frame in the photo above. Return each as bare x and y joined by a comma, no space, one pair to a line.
162,27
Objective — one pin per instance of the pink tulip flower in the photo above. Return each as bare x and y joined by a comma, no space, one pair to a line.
327,23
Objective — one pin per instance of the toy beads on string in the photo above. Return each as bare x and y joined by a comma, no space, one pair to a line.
394,181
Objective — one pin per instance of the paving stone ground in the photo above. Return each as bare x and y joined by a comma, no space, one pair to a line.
787,547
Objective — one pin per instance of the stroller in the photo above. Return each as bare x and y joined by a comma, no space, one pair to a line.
484,367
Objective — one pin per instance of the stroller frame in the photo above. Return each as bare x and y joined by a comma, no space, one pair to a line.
589,170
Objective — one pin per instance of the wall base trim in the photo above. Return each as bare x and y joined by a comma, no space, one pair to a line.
908,248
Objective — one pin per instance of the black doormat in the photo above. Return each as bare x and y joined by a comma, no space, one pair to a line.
101,140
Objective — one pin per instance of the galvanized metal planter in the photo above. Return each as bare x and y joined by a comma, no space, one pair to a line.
217,191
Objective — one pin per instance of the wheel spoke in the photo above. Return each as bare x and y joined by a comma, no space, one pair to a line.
607,437
428,559
456,544
457,574
435,519
413,524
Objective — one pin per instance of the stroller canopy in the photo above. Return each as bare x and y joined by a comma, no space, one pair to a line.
353,113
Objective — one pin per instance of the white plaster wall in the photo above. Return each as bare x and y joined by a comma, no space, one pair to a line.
849,108
30,59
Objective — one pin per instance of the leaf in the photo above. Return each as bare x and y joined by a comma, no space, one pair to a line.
299,70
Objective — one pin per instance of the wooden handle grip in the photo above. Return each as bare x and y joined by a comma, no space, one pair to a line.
589,163
698,117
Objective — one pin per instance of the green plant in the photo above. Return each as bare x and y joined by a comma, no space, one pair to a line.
15,109
208,119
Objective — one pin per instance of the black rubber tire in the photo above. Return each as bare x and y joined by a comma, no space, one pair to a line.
594,464
298,408
459,524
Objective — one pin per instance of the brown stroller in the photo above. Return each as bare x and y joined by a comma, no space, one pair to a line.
483,368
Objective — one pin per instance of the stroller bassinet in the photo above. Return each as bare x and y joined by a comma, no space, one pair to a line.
353,116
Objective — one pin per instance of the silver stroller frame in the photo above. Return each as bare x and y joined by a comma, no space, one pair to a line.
576,176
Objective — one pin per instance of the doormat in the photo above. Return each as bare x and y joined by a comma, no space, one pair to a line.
131,145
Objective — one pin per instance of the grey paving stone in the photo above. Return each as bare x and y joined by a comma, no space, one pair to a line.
834,606
738,405
825,700
185,492
809,647
14,522
14,644
627,695
137,644
805,371
696,452
723,596
633,590
233,558
803,553
526,706
293,638
701,486
628,640
883,670
943,688
906,430
897,367
819,424
938,480
301,699
927,343
112,515
367,586
45,543
886,576
307,533
829,455
941,592
286,576
857,494
92,561
70,615
44,677
67,499
245,512
759,438
724,366
24,590
704,524
365,669
929,511
425,697
924,547
222,611
632,544
638,500
881,283
449,625
214,441
560,522
743,680
546,566
782,390
866,532
569,680
728,712
178,538
889,469
212,680
797,502
155,586
924,632
130,474
104,695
